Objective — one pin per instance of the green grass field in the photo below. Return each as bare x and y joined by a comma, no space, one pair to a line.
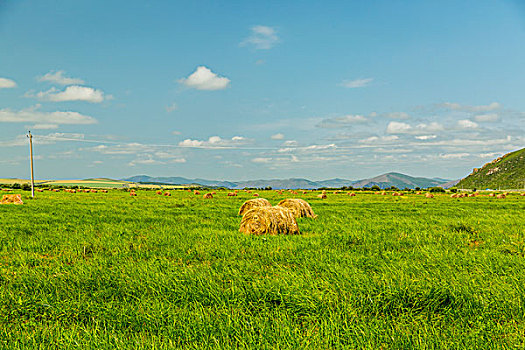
105,271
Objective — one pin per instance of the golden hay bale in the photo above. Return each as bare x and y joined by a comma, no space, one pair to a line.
253,203
11,199
351,194
429,195
269,220
232,194
159,193
383,193
492,195
214,193
418,192
132,193
305,192
104,191
39,190
208,196
94,191
454,195
501,196
472,195
167,194
196,193
324,192
256,194
299,207
322,196
523,194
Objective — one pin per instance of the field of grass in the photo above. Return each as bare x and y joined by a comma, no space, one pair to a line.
90,183
105,271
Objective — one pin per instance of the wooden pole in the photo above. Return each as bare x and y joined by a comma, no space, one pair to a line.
31,156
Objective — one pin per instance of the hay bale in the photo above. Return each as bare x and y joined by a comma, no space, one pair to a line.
159,193
11,199
197,193
492,195
351,194
322,196
208,196
523,194
167,194
383,193
256,194
269,220
304,192
472,195
104,191
214,193
501,196
454,195
429,195
253,203
232,194
418,192
132,193
299,207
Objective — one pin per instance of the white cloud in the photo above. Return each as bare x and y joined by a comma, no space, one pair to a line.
290,143
262,160
261,38
49,139
59,78
426,137
491,155
215,142
72,93
277,136
398,115
398,128
204,79
33,115
404,128
44,126
357,83
7,83
176,132
374,139
466,108
172,107
319,147
454,155
333,123
491,117
467,124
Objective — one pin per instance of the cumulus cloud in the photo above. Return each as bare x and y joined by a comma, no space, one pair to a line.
357,83
333,123
204,79
7,83
72,93
58,77
261,38
277,136
215,142
467,124
376,139
34,115
454,155
426,137
490,117
404,128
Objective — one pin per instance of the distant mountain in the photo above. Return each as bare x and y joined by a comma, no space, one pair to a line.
383,181
400,181
506,172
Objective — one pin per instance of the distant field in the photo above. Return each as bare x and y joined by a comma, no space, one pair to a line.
105,271
92,183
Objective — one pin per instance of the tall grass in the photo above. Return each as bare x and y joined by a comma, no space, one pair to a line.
112,271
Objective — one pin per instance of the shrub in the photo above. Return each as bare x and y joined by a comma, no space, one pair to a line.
436,189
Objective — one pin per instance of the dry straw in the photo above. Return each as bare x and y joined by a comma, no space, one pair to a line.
269,220
11,199
322,196
299,207
429,195
208,196
253,203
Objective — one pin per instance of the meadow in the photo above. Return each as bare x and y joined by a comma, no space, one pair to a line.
105,271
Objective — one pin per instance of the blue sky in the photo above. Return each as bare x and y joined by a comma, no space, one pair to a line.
242,90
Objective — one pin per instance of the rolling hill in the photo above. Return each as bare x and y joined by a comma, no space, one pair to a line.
506,172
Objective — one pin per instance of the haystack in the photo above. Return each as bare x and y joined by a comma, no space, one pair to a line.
472,195
132,193
232,194
454,195
11,199
167,194
159,193
253,203
208,196
492,195
429,195
269,220
256,194
196,193
299,207
351,194
501,196
322,196
523,194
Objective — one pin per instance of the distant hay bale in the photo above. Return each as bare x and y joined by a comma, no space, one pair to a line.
501,196
336,192
396,194
351,194
167,194
256,194
322,196
324,192
11,199
454,195
253,203
523,194
132,193
472,195
104,191
196,193
429,195
208,196
232,194
299,207
39,190
305,192
94,191
214,193
159,193
492,195
269,220
383,193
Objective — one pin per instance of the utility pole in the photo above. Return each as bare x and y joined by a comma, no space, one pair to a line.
31,156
